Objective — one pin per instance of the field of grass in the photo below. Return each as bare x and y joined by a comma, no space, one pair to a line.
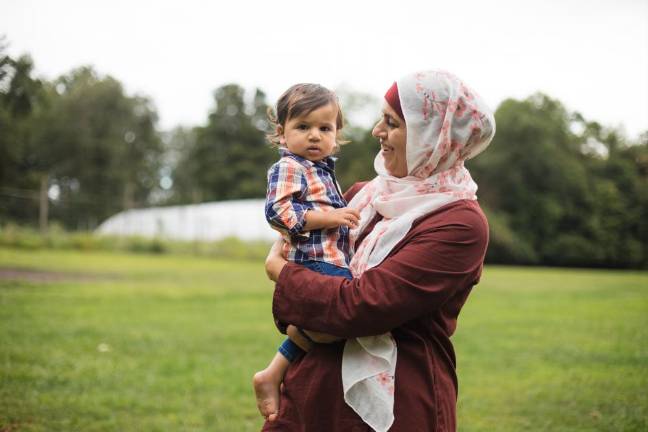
119,342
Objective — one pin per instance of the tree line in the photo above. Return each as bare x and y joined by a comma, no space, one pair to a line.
558,189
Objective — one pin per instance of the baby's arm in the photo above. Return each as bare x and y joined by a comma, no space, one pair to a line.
346,216
284,212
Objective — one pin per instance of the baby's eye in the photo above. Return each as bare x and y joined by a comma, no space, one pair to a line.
325,128
302,127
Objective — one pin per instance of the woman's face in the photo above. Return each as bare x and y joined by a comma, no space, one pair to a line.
392,133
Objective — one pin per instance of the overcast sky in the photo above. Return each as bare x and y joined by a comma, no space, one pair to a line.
592,55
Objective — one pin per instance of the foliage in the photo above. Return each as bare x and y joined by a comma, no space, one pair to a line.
356,158
558,189
229,157
21,95
95,146
559,201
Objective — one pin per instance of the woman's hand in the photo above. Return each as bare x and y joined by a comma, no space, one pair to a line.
296,335
321,337
275,261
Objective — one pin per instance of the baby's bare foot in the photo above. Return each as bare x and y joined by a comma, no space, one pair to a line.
266,387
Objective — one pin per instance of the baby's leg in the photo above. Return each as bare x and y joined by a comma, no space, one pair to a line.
267,382
266,386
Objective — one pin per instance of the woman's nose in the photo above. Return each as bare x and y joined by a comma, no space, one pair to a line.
377,131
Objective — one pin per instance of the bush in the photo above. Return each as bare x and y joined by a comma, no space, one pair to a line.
505,246
21,238
573,250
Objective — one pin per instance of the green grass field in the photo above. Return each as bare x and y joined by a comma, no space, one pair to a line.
169,343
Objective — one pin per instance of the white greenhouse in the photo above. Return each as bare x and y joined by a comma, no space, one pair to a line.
243,219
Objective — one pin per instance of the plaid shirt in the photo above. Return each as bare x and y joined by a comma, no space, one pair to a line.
295,186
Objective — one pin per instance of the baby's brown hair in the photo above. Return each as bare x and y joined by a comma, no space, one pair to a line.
302,99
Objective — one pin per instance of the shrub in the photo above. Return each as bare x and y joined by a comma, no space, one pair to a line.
505,246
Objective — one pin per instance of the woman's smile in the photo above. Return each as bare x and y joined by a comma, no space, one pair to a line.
386,149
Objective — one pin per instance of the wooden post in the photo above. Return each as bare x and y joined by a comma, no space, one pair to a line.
43,208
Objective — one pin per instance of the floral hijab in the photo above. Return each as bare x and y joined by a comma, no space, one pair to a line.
447,123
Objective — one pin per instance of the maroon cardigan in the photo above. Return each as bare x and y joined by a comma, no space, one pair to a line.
416,293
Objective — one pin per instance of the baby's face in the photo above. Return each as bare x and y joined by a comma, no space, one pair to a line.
311,136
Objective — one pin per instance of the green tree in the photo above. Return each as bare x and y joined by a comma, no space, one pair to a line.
22,170
558,195
617,183
356,158
181,166
531,172
639,154
361,111
230,156
117,151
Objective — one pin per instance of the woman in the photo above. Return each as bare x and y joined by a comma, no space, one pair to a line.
419,250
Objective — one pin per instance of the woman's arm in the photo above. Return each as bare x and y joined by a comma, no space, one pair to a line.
275,262
416,279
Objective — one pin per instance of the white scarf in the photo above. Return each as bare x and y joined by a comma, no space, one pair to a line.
447,123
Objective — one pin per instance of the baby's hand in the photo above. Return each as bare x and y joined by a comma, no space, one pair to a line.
342,217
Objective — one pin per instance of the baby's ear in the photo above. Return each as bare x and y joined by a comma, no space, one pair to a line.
280,133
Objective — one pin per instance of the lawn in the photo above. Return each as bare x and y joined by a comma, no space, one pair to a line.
119,342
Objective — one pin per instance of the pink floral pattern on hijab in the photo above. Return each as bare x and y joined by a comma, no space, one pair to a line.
447,123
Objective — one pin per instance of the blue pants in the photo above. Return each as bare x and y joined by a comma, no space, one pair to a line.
288,348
